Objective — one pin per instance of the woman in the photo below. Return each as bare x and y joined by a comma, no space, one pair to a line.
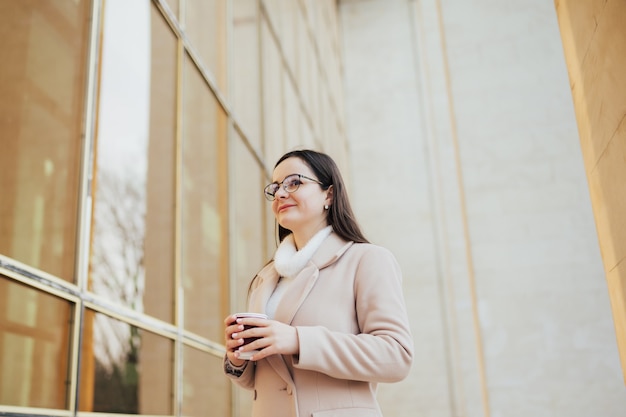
337,322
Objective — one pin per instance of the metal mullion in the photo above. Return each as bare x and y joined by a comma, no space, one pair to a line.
88,151
230,153
232,263
176,22
139,320
179,311
75,354
95,414
203,344
7,410
39,279
85,200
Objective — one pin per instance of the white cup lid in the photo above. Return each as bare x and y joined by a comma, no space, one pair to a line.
251,315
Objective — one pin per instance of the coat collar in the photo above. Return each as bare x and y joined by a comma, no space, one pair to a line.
331,250
328,253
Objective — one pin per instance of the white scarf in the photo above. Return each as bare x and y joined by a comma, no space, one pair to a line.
289,262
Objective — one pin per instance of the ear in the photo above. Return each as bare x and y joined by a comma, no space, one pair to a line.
329,196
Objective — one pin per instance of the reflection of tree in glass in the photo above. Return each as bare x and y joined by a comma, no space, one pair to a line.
117,273
119,231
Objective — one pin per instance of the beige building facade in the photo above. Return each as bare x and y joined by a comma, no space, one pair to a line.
137,137
480,190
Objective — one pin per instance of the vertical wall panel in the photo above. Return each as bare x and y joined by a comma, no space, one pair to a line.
593,39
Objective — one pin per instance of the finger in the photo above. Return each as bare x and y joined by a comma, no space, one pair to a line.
231,330
230,320
261,343
233,344
251,332
263,353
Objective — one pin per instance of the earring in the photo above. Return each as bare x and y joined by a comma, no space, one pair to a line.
326,207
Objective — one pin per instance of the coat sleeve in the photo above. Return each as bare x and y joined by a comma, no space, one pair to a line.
383,350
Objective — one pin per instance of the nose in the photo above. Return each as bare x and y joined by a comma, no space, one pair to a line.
280,193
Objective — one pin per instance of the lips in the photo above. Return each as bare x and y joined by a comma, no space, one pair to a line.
284,207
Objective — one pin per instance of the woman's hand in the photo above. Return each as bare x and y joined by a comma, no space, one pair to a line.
232,343
274,338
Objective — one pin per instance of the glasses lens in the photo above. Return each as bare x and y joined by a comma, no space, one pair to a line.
270,191
291,183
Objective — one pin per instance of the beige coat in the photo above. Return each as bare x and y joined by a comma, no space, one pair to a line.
349,311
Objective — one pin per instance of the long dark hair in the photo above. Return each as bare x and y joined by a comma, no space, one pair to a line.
339,215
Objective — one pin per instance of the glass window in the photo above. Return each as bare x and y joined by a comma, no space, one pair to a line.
132,259
124,369
206,392
319,119
306,135
174,6
204,210
245,55
35,330
307,69
292,115
43,71
205,24
273,75
290,11
249,225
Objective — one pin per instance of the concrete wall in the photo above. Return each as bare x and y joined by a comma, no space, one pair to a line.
466,164
594,40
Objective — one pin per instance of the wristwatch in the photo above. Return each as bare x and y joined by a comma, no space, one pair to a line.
229,368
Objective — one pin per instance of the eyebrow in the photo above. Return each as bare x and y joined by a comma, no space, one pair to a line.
289,175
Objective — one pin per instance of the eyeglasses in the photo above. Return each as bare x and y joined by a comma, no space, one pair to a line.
290,184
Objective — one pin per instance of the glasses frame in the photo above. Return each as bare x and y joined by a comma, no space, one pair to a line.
271,197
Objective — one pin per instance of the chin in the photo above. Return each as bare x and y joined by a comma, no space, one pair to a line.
286,223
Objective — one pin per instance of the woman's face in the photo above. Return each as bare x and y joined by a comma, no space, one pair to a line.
301,211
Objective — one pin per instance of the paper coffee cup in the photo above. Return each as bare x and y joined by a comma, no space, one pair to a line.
247,355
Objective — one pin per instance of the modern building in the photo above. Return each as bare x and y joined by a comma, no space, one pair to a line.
136,138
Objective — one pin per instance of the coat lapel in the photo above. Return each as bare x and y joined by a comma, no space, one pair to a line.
263,289
296,293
